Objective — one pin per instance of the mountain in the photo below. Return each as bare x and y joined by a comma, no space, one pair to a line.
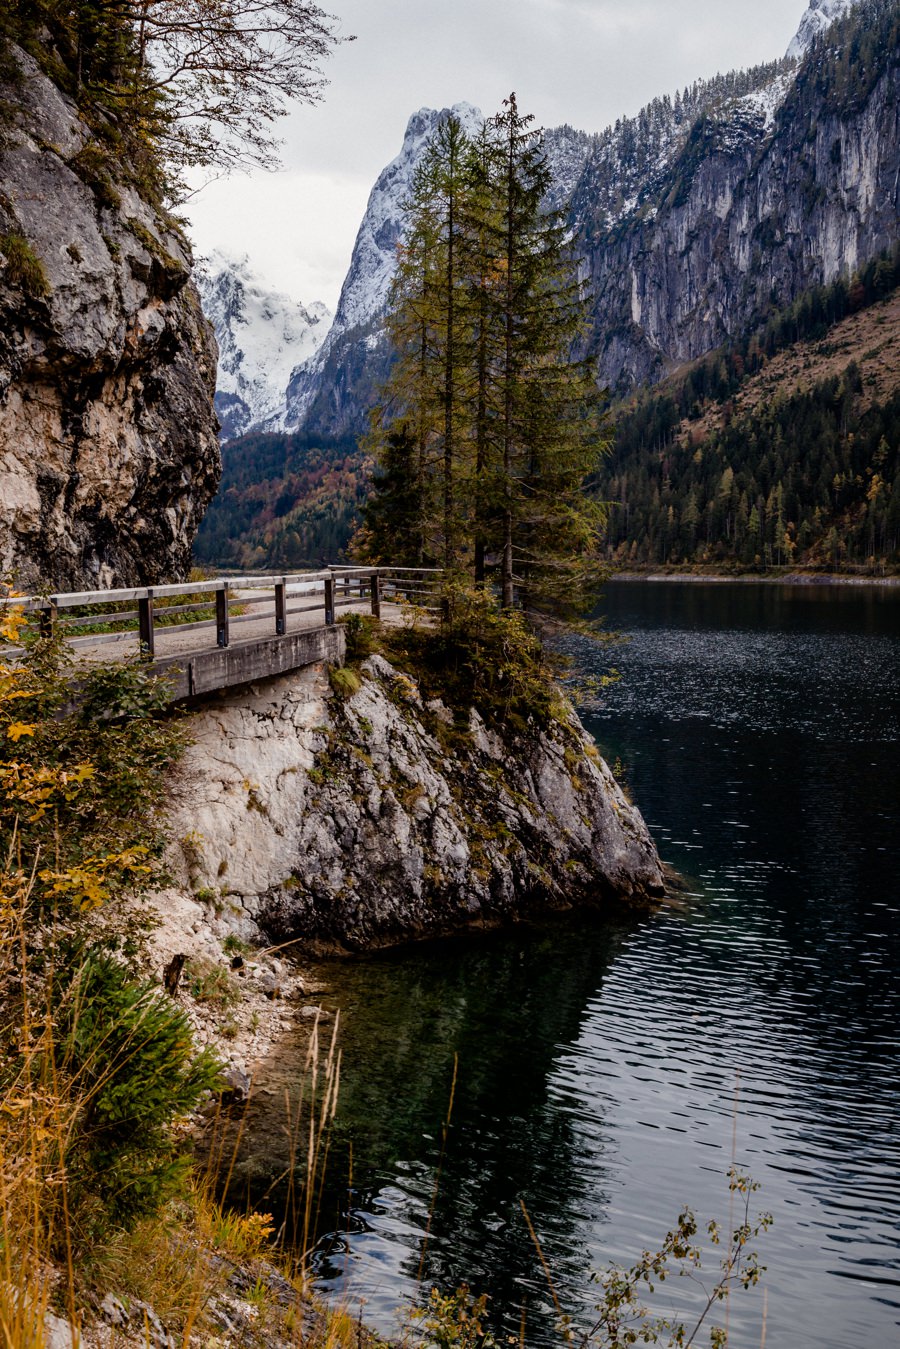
262,334
353,349
774,188
817,19
779,449
713,214
692,219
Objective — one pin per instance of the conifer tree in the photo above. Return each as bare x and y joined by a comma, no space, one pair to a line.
486,311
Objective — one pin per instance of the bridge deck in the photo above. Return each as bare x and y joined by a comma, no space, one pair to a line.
263,625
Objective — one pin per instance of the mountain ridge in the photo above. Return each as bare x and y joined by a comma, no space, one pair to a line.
673,170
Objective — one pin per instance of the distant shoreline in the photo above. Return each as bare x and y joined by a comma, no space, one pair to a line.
788,578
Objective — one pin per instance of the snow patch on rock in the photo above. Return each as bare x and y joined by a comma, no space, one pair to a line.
819,17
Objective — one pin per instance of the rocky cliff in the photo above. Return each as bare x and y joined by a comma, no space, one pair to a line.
108,447
354,822
775,191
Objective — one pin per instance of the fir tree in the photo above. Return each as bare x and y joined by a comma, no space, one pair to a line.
486,311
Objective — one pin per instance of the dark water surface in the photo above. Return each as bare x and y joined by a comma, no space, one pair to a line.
599,1063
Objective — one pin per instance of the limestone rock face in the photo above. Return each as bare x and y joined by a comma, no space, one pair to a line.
370,820
764,200
108,447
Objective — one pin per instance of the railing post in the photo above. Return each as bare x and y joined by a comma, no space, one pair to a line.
222,615
145,626
48,616
280,608
375,586
329,601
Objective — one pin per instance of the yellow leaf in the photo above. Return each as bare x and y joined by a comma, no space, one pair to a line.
19,728
12,622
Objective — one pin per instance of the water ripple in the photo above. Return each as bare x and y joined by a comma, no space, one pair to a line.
609,1075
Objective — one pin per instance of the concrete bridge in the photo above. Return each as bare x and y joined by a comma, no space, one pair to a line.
208,635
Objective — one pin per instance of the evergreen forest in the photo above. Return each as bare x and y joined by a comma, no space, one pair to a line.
809,475
289,501
810,478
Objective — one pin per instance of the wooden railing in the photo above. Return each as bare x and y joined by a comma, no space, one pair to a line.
146,612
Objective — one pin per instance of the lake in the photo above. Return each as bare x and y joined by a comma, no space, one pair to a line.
609,1072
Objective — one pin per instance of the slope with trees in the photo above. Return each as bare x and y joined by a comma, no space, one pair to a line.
780,450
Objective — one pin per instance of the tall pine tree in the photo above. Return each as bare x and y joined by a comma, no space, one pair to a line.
486,314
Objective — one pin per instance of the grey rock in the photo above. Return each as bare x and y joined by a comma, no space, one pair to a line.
236,1087
60,1333
406,839
108,447
268,982
145,1319
113,1310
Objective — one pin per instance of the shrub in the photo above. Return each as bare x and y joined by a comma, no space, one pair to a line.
126,1053
483,656
360,635
211,983
83,763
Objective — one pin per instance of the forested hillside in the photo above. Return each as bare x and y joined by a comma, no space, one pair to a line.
780,450
285,501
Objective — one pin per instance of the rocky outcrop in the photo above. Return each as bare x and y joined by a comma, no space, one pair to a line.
108,448
353,822
772,193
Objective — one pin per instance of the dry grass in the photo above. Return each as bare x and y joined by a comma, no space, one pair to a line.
871,338
189,1261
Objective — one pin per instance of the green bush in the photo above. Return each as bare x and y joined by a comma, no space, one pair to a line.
126,1053
360,635
84,757
483,656
23,266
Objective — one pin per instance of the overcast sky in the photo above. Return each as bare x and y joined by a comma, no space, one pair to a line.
585,62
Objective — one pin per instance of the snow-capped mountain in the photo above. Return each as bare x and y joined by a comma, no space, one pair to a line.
364,294
641,194
817,19
262,334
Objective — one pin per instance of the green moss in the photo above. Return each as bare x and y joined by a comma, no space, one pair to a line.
23,266
93,164
172,268
344,682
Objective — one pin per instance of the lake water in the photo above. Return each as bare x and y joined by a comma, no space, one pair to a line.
608,1073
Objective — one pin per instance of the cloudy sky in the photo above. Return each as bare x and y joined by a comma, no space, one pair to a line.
585,62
